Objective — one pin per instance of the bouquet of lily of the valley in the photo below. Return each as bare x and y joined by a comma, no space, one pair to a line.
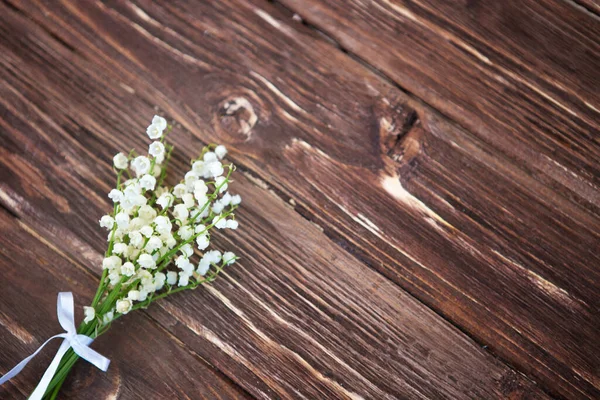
153,233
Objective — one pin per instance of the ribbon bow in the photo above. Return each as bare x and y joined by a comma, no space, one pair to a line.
79,343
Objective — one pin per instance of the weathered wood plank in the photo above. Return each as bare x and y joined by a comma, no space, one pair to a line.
440,212
522,75
147,362
298,317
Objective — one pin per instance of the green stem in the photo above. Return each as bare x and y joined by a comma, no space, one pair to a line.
68,361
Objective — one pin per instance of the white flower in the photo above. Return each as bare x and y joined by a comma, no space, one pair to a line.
181,260
179,190
169,240
213,256
128,269
90,314
146,231
217,207
146,261
229,257
163,225
220,151
204,213
159,280
155,130
181,212
185,232
147,213
115,195
235,200
120,161
133,198
200,228
202,200
134,252
128,203
144,275
111,262
114,278
133,295
121,248
210,257
141,165
210,167
171,277
132,188
226,199
122,220
190,179
200,188
188,200
124,306
186,266
219,222
232,224
210,157
198,167
156,149
184,278
164,200
140,200
137,222
107,222
221,183
203,267
214,169
187,250
136,239
108,317
160,122
161,190
148,182
149,286
202,242
143,294
153,243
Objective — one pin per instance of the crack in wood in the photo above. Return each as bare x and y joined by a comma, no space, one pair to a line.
589,6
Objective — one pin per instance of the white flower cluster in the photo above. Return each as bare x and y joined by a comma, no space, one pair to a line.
155,230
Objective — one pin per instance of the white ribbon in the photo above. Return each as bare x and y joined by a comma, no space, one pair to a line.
78,342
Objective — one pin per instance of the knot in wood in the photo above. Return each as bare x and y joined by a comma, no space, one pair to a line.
237,116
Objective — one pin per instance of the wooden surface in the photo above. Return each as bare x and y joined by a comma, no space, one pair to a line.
420,183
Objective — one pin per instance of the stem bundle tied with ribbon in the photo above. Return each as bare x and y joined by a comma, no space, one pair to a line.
78,342
158,240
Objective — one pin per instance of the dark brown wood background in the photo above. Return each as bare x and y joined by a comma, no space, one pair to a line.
420,182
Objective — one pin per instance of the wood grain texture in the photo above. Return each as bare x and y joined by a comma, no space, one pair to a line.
464,225
147,362
298,317
521,75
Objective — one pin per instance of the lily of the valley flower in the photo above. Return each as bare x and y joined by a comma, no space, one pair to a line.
90,314
155,231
